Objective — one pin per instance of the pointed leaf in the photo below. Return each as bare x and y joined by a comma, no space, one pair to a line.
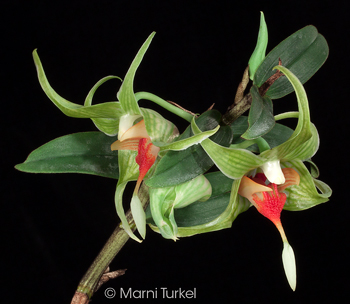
260,119
87,152
278,135
304,52
260,49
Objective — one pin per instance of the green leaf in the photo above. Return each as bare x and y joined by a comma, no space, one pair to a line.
260,119
177,167
102,110
303,53
87,152
260,49
278,135
305,195
126,94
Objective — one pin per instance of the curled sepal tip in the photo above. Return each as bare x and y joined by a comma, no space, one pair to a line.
288,259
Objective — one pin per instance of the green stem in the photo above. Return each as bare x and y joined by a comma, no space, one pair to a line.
91,278
262,144
166,105
287,115
90,281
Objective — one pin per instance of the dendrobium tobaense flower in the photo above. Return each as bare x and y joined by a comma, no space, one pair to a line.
269,200
164,201
137,139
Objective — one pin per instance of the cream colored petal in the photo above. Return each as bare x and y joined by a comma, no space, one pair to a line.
292,178
136,131
129,144
248,187
125,123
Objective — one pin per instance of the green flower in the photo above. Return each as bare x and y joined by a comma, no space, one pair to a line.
122,116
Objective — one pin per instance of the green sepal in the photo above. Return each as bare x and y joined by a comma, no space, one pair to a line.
126,94
303,143
101,110
177,167
260,119
164,202
188,142
234,163
86,152
159,129
305,195
128,171
260,49
304,52
216,213
108,126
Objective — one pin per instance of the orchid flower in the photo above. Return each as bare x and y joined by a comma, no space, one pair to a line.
269,200
164,200
151,136
236,163
148,133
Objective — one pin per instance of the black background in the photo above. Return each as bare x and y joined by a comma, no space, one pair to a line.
54,225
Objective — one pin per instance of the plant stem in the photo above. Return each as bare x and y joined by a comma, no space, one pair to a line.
91,278
90,281
237,110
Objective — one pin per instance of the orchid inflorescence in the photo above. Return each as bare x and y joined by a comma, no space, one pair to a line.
259,162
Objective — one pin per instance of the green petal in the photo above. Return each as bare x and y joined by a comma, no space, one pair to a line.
260,48
188,142
159,129
305,195
126,92
234,163
120,210
102,110
86,152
